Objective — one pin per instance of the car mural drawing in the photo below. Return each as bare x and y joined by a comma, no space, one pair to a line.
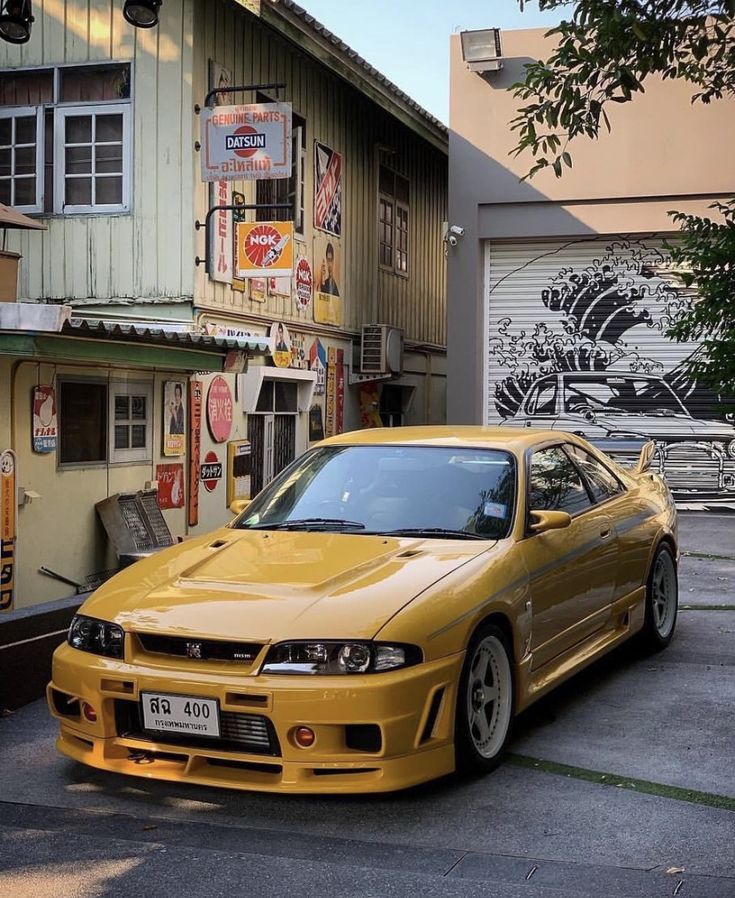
578,341
618,411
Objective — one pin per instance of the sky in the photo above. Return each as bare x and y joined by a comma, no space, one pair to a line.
408,40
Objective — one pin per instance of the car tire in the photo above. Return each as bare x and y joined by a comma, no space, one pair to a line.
485,702
662,600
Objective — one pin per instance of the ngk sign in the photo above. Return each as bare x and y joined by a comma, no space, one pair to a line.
265,249
246,143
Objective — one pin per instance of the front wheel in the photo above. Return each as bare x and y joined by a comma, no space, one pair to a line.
662,601
484,702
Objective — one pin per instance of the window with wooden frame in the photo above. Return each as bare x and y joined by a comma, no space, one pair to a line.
393,221
131,422
287,190
66,139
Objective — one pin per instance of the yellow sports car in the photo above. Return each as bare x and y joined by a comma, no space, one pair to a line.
375,617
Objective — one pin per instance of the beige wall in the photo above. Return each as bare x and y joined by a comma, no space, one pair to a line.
60,530
663,153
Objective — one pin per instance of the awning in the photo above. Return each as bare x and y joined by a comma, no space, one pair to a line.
9,218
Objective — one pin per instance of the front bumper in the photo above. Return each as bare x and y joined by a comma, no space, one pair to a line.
412,709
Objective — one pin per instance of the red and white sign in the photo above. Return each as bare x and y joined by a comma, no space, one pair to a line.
219,409
304,284
222,241
211,471
8,533
170,486
246,142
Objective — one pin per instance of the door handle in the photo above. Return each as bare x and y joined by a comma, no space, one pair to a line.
605,532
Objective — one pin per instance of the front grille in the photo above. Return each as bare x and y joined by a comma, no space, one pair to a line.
250,733
200,649
692,467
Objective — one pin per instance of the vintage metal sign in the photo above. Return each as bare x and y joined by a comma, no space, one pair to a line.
170,486
304,284
246,143
281,344
195,442
265,249
8,506
219,409
211,472
327,189
45,429
174,418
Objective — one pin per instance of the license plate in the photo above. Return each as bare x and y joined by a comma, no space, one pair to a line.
180,714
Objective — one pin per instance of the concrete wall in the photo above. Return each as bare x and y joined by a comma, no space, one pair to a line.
663,153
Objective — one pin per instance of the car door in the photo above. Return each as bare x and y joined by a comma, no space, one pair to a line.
571,571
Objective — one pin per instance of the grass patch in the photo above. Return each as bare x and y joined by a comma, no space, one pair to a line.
709,799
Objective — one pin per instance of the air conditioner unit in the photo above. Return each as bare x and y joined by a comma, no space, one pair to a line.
381,350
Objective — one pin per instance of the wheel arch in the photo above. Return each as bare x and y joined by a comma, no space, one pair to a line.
502,622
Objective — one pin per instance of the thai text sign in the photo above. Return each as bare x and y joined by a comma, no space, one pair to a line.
8,500
265,249
246,143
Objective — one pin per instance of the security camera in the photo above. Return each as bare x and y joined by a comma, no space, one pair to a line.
452,240
456,231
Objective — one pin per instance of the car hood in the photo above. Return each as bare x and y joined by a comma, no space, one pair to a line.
270,586
675,427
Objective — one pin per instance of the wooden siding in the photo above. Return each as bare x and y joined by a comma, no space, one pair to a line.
145,254
338,115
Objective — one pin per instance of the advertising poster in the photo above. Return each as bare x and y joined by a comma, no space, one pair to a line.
327,189
265,249
174,418
195,448
318,363
304,285
331,423
339,404
219,409
298,352
220,250
328,281
258,289
170,486
246,143
239,464
281,345
8,504
45,430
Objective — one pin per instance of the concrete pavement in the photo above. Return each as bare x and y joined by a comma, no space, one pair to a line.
547,824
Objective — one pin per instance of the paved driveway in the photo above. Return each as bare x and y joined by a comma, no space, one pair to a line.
622,783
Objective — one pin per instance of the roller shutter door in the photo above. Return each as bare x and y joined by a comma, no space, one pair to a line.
577,341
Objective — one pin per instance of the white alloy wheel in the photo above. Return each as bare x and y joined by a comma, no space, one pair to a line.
664,594
489,697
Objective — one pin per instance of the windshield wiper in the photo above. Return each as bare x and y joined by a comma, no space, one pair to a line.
433,531
309,524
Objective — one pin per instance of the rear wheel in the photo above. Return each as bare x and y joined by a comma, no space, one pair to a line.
662,600
484,702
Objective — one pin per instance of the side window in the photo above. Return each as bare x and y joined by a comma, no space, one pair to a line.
543,399
602,483
555,484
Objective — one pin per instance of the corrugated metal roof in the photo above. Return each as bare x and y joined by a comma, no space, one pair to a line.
316,26
162,336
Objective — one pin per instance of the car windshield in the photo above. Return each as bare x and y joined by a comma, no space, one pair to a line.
412,490
621,395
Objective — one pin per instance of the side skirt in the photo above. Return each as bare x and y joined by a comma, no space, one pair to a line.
627,616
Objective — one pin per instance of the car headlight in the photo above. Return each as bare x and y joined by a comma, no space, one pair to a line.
329,657
731,449
96,636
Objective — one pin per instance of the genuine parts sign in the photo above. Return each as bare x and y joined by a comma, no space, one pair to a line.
246,143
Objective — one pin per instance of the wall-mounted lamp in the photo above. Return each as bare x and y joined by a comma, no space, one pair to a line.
16,18
481,50
142,13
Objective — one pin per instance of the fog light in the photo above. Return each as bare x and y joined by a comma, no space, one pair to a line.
305,737
89,713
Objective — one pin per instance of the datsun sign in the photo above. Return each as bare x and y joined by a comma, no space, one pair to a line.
246,143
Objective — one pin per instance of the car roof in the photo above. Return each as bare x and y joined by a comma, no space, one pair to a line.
511,439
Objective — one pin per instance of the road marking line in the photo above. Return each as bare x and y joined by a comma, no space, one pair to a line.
12,645
723,802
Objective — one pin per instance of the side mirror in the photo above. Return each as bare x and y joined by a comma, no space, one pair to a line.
239,505
541,521
645,458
